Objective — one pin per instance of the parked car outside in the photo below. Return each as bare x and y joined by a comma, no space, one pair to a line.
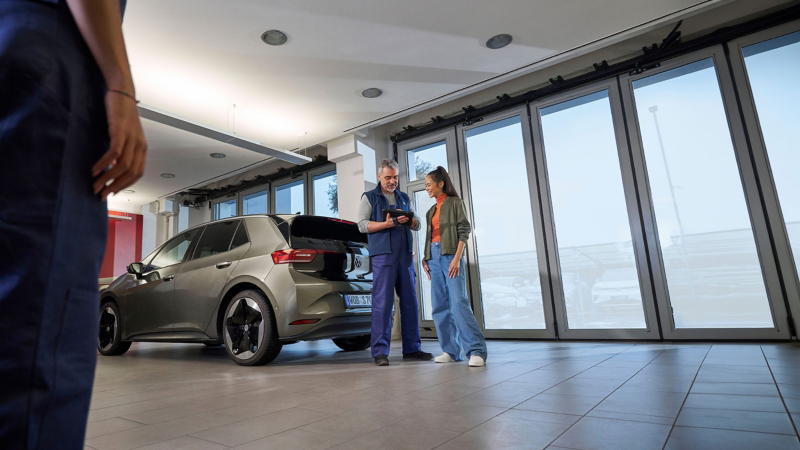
252,283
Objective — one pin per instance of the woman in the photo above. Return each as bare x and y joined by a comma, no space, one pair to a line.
447,233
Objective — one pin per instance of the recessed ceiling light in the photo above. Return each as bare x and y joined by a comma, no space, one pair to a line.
218,155
128,191
167,175
499,41
274,37
372,92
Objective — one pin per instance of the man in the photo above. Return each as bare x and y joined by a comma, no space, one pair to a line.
390,246
70,136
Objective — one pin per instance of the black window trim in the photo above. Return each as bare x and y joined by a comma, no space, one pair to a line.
230,219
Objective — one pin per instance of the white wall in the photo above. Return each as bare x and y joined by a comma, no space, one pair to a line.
148,230
199,215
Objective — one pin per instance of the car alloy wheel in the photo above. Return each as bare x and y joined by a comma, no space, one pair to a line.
244,328
108,328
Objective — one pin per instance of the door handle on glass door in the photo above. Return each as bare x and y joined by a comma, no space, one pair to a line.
223,265
169,277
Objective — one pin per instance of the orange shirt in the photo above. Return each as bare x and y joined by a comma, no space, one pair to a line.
435,219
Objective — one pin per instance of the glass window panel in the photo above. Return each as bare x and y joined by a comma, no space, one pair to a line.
598,267
423,160
216,239
422,203
707,245
174,251
255,203
183,218
240,238
503,226
225,209
289,198
773,68
326,195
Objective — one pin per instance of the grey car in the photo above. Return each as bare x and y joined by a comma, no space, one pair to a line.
252,283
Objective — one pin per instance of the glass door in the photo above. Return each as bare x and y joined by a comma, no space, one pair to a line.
708,238
600,283
767,69
418,157
508,269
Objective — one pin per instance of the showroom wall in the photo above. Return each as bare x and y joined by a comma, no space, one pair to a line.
124,244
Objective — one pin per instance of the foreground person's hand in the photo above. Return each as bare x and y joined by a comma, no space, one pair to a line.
125,158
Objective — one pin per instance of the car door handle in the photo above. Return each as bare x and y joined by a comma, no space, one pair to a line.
223,265
169,277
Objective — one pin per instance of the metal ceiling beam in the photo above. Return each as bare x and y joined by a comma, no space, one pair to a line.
165,118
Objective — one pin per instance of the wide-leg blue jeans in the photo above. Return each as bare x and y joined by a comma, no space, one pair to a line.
458,330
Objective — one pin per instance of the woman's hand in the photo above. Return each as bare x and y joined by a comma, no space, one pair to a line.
127,151
425,267
455,268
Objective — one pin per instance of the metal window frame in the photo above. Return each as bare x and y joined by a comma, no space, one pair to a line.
314,173
789,267
217,201
651,331
253,190
284,181
449,138
750,190
549,332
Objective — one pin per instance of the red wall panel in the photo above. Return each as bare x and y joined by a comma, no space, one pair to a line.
124,244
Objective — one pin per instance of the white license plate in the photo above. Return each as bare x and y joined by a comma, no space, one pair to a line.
358,301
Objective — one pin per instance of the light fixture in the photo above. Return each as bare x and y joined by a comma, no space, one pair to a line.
167,175
499,41
274,37
372,93
128,191
217,155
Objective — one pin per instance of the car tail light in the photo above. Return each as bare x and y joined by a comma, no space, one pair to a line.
304,322
341,221
297,255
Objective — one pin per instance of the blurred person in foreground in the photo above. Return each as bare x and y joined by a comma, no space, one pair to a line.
70,136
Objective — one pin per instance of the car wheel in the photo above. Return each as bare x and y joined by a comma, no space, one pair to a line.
354,344
109,340
249,329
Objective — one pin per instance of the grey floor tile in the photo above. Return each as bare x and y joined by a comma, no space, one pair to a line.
296,439
590,387
184,443
764,422
667,370
349,402
637,401
444,393
244,431
790,390
660,383
792,404
109,426
399,436
507,392
264,407
539,416
762,389
598,433
545,376
736,402
454,417
786,378
727,374
178,411
683,438
507,433
609,373
631,417
560,404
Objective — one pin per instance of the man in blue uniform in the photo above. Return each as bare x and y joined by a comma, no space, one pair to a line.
390,246
70,136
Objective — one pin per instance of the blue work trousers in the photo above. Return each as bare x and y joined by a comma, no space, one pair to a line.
458,330
52,226
390,272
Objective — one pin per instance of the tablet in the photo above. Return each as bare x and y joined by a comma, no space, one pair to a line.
398,213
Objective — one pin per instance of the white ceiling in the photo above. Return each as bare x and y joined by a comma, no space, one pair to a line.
197,58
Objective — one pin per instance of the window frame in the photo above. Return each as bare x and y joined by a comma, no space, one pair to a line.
311,174
283,182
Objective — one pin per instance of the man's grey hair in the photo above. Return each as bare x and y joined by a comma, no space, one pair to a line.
390,163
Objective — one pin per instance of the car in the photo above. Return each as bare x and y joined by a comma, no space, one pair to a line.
501,298
252,284
617,287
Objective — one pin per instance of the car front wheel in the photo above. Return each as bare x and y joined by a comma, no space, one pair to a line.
354,344
109,340
250,331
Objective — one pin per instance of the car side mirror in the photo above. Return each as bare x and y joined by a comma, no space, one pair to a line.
136,269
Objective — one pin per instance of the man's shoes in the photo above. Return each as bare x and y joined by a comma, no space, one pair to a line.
419,356
382,360
476,361
444,358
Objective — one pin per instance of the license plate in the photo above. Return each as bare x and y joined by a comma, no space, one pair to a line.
358,301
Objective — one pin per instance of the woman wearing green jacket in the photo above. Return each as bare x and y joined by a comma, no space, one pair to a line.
447,233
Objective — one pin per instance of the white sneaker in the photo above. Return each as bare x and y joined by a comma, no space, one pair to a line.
475,361
444,358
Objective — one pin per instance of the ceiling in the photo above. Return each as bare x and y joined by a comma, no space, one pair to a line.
198,58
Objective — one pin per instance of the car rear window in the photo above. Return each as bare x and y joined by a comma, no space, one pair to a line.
326,228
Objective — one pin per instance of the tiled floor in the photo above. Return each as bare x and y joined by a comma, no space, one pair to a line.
531,395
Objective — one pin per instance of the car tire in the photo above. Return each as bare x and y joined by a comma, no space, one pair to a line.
249,329
109,340
354,344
